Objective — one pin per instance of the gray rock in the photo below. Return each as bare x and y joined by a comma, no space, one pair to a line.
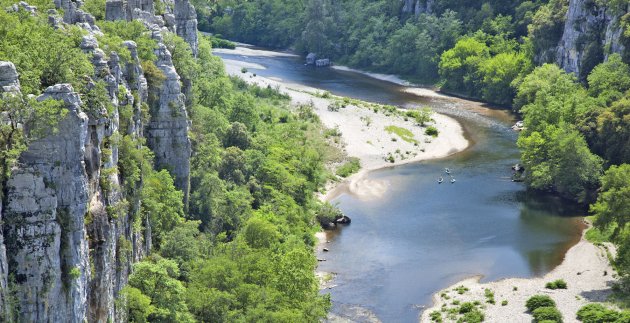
583,19
186,23
45,213
167,132
9,81
115,10
89,43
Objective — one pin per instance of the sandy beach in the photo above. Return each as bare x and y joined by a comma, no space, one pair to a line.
586,270
363,127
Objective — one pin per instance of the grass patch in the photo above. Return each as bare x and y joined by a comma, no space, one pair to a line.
596,235
556,284
404,134
349,168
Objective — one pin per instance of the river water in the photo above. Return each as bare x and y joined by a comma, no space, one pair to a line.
421,236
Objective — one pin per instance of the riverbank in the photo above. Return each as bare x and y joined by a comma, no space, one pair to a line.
377,135
586,269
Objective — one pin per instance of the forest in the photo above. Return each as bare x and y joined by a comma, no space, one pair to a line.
576,141
244,243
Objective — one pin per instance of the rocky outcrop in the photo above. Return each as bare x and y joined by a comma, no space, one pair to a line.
68,223
44,220
167,132
186,23
115,10
9,83
591,33
417,7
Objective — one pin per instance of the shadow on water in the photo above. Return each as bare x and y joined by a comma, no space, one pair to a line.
422,236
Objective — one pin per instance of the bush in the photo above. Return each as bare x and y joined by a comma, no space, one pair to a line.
547,313
431,131
556,284
349,168
466,308
537,301
436,316
475,316
504,303
597,313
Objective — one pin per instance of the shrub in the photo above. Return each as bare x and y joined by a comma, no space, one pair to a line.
466,308
597,313
436,316
474,316
504,303
489,296
431,131
461,289
243,70
556,284
537,301
349,168
547,313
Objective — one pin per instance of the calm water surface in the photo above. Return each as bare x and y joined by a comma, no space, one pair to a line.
422,236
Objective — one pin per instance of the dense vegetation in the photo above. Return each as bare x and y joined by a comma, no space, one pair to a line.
245,246
243,249
479,48
577,137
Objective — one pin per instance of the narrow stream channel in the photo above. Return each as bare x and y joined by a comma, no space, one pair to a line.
423,236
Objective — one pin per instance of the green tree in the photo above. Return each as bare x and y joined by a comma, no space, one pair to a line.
499,73
557,158
157,279
162,203
613,203
609,80
459,65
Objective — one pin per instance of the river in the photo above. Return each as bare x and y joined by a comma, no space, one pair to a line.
423,236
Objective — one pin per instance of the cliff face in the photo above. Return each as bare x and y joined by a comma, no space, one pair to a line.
591,34
417,7
67,224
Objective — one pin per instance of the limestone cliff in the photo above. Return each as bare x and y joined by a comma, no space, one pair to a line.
417,7
591,33
67,223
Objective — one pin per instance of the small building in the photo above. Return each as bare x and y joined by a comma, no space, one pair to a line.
311,58
322,62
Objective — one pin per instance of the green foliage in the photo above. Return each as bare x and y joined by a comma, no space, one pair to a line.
559,159
459,65
474,316
431,131
162,204
609,80
132,30
24,122
349,168
538,301
404,134
547,313
136,305
95,7
597,313
46,56
157,279
612,204
422,116
556,284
